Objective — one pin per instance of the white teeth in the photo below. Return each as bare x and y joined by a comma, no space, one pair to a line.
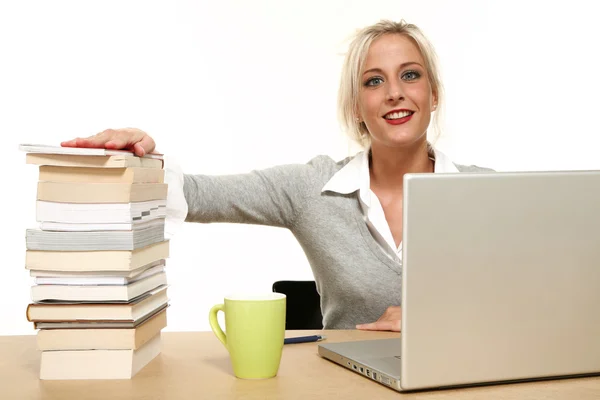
398,115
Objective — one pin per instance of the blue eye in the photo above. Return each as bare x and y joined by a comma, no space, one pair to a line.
375,81
411,75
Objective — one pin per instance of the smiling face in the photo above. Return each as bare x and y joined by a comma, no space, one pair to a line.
396,99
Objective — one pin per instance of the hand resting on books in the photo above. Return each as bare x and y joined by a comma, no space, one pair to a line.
135,140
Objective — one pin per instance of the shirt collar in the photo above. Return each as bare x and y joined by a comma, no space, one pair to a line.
355,174
349,178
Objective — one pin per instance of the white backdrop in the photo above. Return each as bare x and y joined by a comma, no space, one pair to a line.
231,85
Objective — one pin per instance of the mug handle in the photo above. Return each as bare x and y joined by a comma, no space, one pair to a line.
214,323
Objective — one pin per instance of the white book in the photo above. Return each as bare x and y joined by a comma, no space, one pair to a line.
48,149
94,274
132,226
97,293
101,213
124,261
94,240
97,280
98,364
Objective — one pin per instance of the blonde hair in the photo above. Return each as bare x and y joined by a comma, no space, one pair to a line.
353,68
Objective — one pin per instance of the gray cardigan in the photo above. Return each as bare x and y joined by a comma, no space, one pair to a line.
355,279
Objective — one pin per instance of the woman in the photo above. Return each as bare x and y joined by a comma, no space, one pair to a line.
346,215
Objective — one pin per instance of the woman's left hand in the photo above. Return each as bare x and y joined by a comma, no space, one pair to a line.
389,321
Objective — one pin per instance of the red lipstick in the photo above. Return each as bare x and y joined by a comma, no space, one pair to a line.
399,121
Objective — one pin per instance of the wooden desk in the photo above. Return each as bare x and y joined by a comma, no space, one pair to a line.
194,365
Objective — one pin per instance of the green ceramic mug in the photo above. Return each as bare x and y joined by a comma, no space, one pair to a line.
255,327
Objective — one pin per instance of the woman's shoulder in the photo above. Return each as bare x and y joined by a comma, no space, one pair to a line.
321,169
326,165
472,168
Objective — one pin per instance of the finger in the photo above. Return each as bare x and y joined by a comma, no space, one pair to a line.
69,143
119,143
96,141
381,326
147,143
139,150
140,144
81,142
90,142
373,326
143,146
113,139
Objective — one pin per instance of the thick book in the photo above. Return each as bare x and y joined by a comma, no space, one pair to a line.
91,161
92,280
97,324
65,192
120,277
101,175
97,293
111,260
94,240
102,339
100,213
97,364
77,311
137,225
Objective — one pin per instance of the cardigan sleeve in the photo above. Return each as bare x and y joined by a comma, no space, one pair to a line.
272,196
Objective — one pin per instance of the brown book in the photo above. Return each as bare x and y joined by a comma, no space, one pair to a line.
98,364
108,260
101,175
102,339
132,311
70,160
97,324
64,192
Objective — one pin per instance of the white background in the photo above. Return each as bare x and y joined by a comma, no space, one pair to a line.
228,86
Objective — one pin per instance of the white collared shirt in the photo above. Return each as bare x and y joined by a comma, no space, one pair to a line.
355,176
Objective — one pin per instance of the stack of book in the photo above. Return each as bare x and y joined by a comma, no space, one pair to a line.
99,297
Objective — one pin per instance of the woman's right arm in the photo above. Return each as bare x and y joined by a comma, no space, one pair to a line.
272,196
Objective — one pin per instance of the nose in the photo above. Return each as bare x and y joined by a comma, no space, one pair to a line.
395,92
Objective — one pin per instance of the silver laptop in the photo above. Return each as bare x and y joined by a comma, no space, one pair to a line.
501,282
